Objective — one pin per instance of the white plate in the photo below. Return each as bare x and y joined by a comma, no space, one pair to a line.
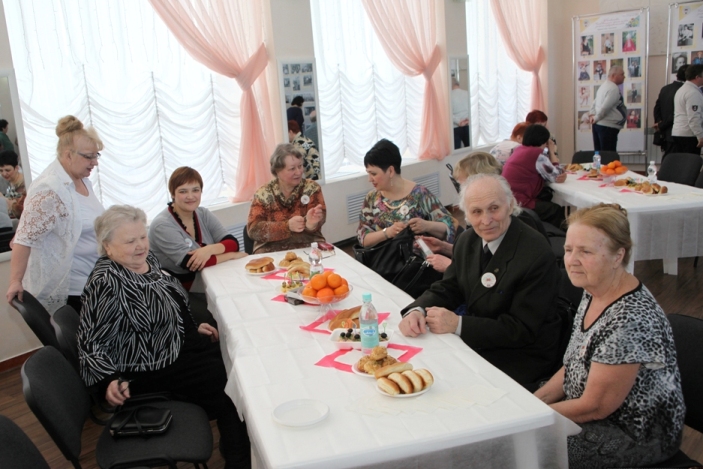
357,371
334,337
300,412
415,394
261,274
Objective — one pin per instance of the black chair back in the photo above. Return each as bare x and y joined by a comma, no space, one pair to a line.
248,242
689,354
699,180
587,156
682,168
58,398
16,449
455,183
65,322
37,318
6,235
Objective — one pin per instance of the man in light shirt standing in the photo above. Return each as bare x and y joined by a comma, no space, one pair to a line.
687,131
608,112
460,114
506,275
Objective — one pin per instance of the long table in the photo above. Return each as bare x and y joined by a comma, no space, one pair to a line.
474,415
662,226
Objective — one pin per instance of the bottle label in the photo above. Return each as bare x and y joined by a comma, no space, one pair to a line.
369,335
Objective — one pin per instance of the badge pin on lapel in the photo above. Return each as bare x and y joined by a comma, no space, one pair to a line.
488,280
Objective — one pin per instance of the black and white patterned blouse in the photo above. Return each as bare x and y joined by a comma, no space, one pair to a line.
130,322
633,329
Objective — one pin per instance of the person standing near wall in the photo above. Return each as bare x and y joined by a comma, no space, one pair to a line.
608,112
687,131
664,111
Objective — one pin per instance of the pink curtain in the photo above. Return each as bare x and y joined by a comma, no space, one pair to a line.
519,23
213,34
407,31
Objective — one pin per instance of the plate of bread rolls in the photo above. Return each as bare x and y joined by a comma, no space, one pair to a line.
400,380
260,266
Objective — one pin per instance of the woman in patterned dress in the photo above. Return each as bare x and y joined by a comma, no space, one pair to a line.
137,336
396,203
288,212
620,380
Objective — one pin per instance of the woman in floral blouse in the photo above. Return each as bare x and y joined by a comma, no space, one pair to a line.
288,212
397,203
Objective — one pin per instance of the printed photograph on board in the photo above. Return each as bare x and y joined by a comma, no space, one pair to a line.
616,62
697,57
586,45
685,37
677,60
599,70
633,118
584,96
583,71
607,43
633,67
634,93
629,41
584,121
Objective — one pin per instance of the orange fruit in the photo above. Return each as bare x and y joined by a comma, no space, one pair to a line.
344,281
326,295
617,163
327,273
610,172
620,170
604,169
309,291
341,290
334,280
318,282
611,165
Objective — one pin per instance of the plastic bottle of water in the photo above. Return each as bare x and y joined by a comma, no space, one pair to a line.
368,323
315,258
652,172
596,160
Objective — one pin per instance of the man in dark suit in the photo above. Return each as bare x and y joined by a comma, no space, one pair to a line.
664,111
506,274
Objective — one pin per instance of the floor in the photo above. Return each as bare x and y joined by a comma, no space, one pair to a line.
682,294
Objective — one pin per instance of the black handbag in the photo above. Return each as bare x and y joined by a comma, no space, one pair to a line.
658,139
389,257
142,420
416,276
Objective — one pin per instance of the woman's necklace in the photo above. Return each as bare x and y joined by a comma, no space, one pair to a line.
196,225
391,206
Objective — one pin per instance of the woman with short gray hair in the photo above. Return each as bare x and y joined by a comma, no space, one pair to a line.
288,212
137,335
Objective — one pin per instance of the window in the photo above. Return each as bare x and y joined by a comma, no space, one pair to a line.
115,66
363,97
500,91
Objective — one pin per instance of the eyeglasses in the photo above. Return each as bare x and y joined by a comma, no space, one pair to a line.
89,157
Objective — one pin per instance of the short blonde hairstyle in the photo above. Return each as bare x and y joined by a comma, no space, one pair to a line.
111,219
278,159
612,220
68,129
475,163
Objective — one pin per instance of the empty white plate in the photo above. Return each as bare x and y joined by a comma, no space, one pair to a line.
300,412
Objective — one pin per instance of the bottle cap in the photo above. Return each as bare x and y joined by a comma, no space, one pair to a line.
366,297
314,245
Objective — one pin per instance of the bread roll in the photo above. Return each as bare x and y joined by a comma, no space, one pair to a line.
261,264
394,368
426,376
299,268
339,320
406,387
664,190
291,256
621,182
388,386
415,379
284,263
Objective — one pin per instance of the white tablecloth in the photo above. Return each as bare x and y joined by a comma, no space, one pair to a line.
474,415
662,226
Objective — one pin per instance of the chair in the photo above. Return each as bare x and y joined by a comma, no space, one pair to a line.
699,180
456,184
587,157
248,242
554,235
682,168
16,449
56,395
6,235
689,355
37,318
65,322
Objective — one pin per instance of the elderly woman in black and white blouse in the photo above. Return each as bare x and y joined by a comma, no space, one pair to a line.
137,335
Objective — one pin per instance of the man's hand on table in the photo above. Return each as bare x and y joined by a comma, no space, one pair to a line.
413,324
441,320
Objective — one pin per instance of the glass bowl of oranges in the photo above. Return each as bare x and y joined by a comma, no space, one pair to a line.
611,170
325,289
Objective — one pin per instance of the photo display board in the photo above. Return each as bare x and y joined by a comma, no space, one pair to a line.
685,45
600,42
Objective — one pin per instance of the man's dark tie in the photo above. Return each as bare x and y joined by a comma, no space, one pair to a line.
485,257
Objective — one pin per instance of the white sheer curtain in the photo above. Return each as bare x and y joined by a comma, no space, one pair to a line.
362,96
114,65
500,91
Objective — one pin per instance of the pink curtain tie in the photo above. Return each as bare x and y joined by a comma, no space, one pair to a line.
433,63
252,69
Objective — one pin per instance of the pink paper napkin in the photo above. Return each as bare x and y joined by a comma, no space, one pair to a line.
315,325
330,361
625,190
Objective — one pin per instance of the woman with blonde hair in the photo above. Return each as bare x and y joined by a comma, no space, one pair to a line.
55,247
478,162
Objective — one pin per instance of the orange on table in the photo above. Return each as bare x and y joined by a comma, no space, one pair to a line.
318,282
341,290
612,165
621,170
325,295
610,172
334,280
617,163
344,281
327,273
309,291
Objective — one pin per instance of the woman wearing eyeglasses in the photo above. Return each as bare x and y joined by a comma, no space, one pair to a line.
55,247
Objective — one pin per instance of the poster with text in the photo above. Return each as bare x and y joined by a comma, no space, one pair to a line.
601,42
685,45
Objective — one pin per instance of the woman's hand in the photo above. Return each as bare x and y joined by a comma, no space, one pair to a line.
200,256
393,230
439,262
314,217
418,225
208,330
15,290
561,178
117,392
296,224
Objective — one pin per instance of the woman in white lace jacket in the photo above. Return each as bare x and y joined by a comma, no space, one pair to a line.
55,247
